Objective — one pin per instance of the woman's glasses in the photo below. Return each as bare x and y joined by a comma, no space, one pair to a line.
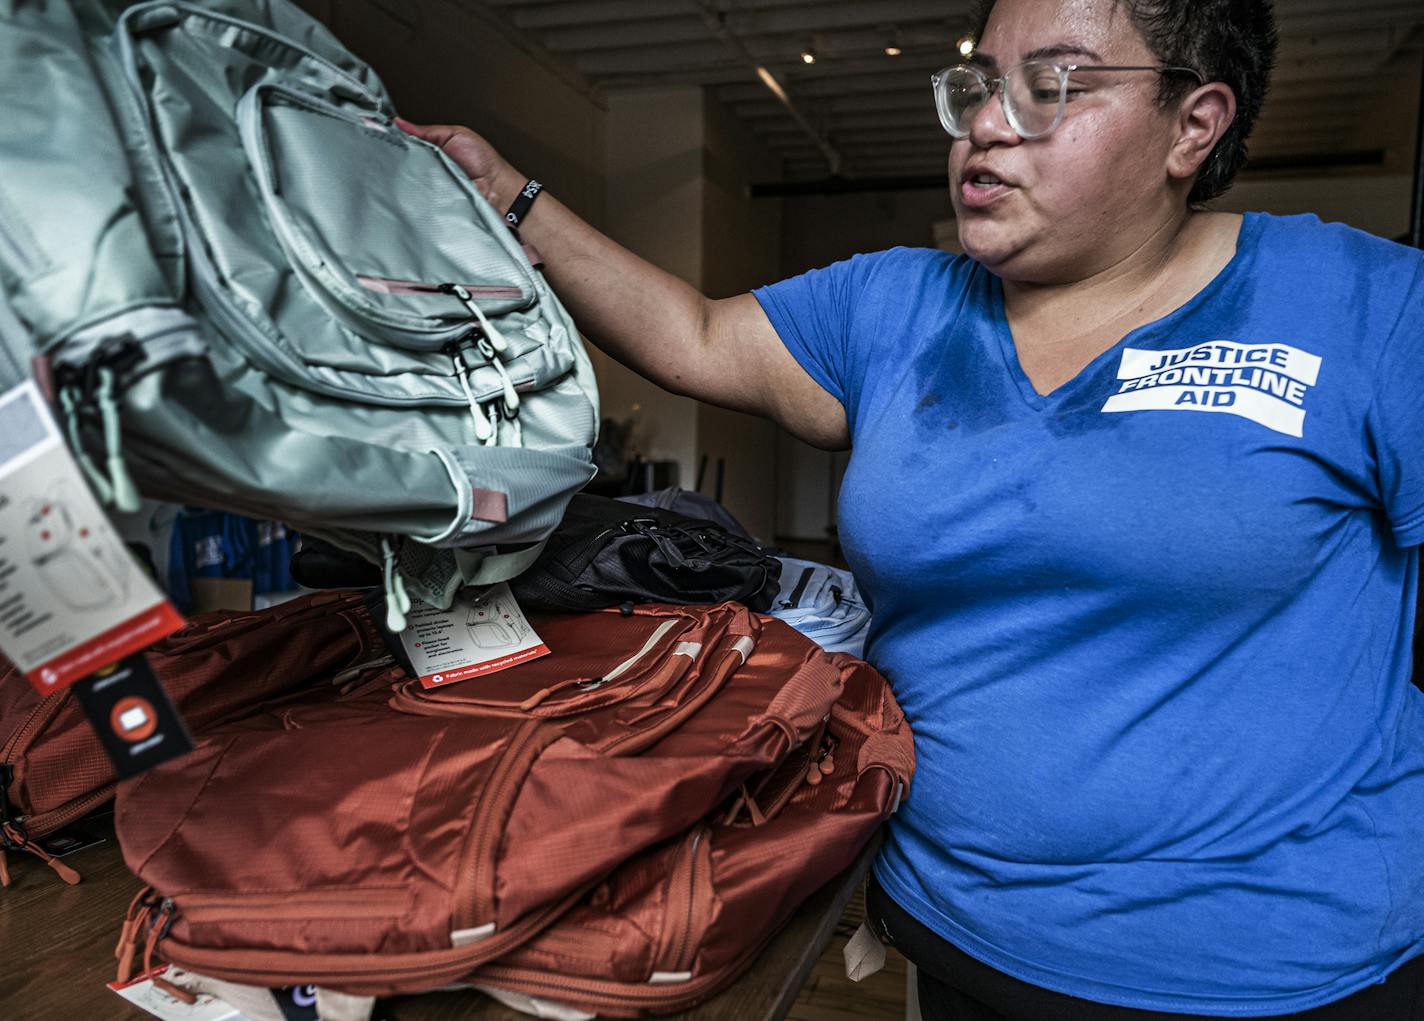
1033,93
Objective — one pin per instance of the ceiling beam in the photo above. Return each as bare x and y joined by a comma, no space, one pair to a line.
714,22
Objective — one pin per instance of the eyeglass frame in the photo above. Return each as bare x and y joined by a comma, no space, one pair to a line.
993,85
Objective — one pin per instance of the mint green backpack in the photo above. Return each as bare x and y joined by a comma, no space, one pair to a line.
248,289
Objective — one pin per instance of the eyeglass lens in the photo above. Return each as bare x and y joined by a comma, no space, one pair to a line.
1032,97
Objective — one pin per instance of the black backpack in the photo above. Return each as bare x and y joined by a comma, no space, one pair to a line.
607,553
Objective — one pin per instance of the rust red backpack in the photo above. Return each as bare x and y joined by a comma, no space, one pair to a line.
53,769
389,839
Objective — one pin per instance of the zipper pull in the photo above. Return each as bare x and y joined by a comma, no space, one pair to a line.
177,992
14,840
157,930
397,602
69,404
754,810
401,595
493,413
482,427
496,338
825,762
511,396
128,942
534,700
125,493
128,935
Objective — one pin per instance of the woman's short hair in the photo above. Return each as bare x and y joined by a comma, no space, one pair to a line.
1229,41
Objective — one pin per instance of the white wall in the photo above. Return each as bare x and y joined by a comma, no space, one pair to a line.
741,244
679,171
654,205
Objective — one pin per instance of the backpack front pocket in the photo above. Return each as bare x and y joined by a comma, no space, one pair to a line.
334,252
616,681
377,224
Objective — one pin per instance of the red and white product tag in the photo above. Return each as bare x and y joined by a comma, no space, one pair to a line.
142,993
72,598
470,639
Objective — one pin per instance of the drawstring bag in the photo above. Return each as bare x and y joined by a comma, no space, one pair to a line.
607,552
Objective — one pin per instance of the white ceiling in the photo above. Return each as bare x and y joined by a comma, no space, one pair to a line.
875,112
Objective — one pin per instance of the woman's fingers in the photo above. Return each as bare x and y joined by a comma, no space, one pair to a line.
435,134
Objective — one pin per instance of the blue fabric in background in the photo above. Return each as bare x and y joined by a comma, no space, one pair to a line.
823,603
1153,629
217,544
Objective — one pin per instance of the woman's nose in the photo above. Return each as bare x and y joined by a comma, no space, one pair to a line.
990,123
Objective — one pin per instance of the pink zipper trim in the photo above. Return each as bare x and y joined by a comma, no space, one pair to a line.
386,286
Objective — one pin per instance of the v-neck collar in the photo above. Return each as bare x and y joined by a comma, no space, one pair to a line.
1245,247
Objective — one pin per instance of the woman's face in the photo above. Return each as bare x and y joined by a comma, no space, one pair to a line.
1080,199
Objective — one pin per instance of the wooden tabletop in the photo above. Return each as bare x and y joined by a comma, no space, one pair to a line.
57,949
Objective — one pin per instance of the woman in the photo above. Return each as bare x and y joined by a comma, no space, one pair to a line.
1136,491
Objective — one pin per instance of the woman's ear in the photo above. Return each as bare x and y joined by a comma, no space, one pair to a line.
1202,118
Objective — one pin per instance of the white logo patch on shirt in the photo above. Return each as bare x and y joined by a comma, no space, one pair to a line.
1266,383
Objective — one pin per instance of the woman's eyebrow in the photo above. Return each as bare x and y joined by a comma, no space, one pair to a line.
1062,50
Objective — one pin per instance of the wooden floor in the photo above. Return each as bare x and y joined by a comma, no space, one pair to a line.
829,996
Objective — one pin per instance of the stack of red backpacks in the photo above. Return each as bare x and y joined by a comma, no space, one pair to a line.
615,829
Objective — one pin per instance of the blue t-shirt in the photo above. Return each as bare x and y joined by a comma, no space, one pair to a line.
1152,631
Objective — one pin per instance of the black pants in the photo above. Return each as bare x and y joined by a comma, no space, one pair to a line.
956,987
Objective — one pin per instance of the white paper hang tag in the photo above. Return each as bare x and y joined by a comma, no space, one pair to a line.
72,598
864,954
142,993
470,639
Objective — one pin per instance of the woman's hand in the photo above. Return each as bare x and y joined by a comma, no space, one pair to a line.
492,175
648,319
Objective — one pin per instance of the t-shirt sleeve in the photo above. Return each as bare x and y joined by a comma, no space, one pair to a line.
1397,421
814,315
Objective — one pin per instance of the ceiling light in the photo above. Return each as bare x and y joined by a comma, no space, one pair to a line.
808,56
893,51
966,46
769,80
891,35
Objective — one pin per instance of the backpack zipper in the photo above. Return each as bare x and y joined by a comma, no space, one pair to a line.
475,898
411,695
610,994
377,972
386,285
664,989
292,905
686,914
